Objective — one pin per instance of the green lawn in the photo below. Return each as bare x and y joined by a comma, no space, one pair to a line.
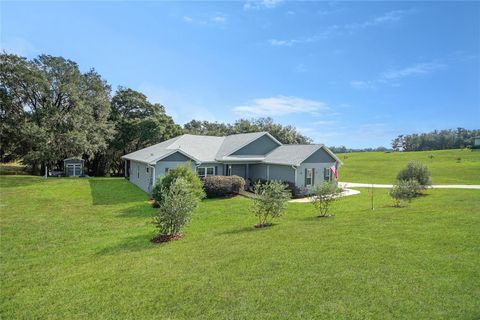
381,167
79,248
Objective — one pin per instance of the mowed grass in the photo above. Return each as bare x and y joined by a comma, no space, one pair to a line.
381,167
79,248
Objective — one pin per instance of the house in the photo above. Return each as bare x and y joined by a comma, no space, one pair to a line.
73,167
476,142
252,156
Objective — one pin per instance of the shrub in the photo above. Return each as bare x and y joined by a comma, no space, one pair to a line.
185,172
178,202
417,171
324,195
222,186
270,201
295,191
404,191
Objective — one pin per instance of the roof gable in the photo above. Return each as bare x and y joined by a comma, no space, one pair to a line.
260,146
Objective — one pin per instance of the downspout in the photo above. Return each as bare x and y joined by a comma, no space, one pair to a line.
295,168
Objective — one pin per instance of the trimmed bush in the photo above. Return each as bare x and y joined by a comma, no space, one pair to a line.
295,191
270,201
185,172
417,171
404,191
178,202
324,195
223,186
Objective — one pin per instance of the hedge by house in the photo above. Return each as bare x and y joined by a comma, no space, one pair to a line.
222,186
294,190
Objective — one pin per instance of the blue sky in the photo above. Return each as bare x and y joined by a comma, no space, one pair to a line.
344,73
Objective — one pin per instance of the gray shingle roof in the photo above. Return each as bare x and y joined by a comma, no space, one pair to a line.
291,154
235,141
210,149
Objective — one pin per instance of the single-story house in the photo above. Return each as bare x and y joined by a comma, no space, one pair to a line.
252,156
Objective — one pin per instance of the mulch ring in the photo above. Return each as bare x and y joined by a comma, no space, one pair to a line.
165,238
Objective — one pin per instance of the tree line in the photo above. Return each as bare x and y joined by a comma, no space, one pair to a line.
50,110
436,140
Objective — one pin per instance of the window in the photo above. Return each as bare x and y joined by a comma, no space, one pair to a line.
166,170
327,174
202,172
308,177
138,172
210,171
147,169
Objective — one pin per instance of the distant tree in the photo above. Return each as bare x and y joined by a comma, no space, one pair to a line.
270,201
186,173
51,110
415,170
435,140
138,124
175,209
324,195
284,134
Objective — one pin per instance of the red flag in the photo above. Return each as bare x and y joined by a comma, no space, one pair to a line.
334,171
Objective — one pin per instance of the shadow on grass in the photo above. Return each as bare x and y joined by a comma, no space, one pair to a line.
140,211
14,181
130,244
246,229
109,191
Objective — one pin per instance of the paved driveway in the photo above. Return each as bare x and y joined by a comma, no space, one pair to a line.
436,186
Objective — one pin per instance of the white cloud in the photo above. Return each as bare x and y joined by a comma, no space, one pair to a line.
219,19
187,19
392,76
337,30
280,105
18,46
300,68
414,70
215,19
261,4
325,122
180,108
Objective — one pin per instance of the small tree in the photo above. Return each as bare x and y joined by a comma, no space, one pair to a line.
404,191
186,173
324,195
417,171
174,210
270,201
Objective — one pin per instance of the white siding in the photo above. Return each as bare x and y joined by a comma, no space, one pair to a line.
139,175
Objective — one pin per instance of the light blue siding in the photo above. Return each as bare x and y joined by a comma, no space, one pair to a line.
177,156
258,171
283,173
319,156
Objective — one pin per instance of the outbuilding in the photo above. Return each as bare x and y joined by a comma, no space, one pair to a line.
73,167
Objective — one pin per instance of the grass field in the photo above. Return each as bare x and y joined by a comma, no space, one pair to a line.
79,248
381,167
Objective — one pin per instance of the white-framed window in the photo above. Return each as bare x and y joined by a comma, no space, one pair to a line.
147,169
166,170
202,172
327,174
308,177
138,172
